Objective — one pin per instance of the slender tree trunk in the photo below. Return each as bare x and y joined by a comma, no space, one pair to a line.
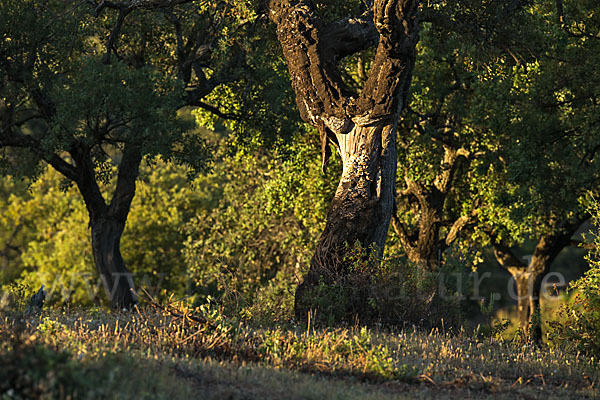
116,278
535,319
107,221
529,277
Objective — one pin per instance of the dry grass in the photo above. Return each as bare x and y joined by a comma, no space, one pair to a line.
200,352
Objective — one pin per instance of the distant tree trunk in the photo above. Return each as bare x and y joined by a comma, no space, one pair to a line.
362,126
107,222
424,244
528,277
524,293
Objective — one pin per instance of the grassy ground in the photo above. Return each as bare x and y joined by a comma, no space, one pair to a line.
178,352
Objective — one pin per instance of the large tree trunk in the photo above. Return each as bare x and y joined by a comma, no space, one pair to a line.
362,126
361,209
106,246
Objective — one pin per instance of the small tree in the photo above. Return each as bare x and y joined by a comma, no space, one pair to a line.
67,104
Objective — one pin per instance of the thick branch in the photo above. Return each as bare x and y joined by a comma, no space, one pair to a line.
214,110
86,180
114,34
19,140
449,166
552,244
321,95
458,226
508,259
349,35
125,189
386,89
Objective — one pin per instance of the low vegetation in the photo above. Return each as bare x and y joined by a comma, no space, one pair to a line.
172,350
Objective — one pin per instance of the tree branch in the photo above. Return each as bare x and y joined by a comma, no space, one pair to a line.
386,89
214,110
19,140
507,258
125,190
583,245
449,167
406,240
349,35
458,226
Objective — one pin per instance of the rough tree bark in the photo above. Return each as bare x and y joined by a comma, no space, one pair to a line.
528,277
362,126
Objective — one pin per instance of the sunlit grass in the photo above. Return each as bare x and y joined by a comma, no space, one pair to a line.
189,346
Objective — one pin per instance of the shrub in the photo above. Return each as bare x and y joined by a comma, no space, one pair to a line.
391,292
580,322
251,248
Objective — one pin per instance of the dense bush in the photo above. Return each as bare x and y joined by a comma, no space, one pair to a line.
251,249
580,323
390,292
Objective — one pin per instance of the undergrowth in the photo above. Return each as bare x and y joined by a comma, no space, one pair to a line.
93,353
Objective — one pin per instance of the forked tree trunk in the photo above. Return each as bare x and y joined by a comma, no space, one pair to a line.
529,277
106,246
528,280
425,243
107,221
362,126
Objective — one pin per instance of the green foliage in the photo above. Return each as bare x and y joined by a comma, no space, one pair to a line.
390,292
58,250
250,249
54,74
520,98
580,322
17,296
14,235
127,105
